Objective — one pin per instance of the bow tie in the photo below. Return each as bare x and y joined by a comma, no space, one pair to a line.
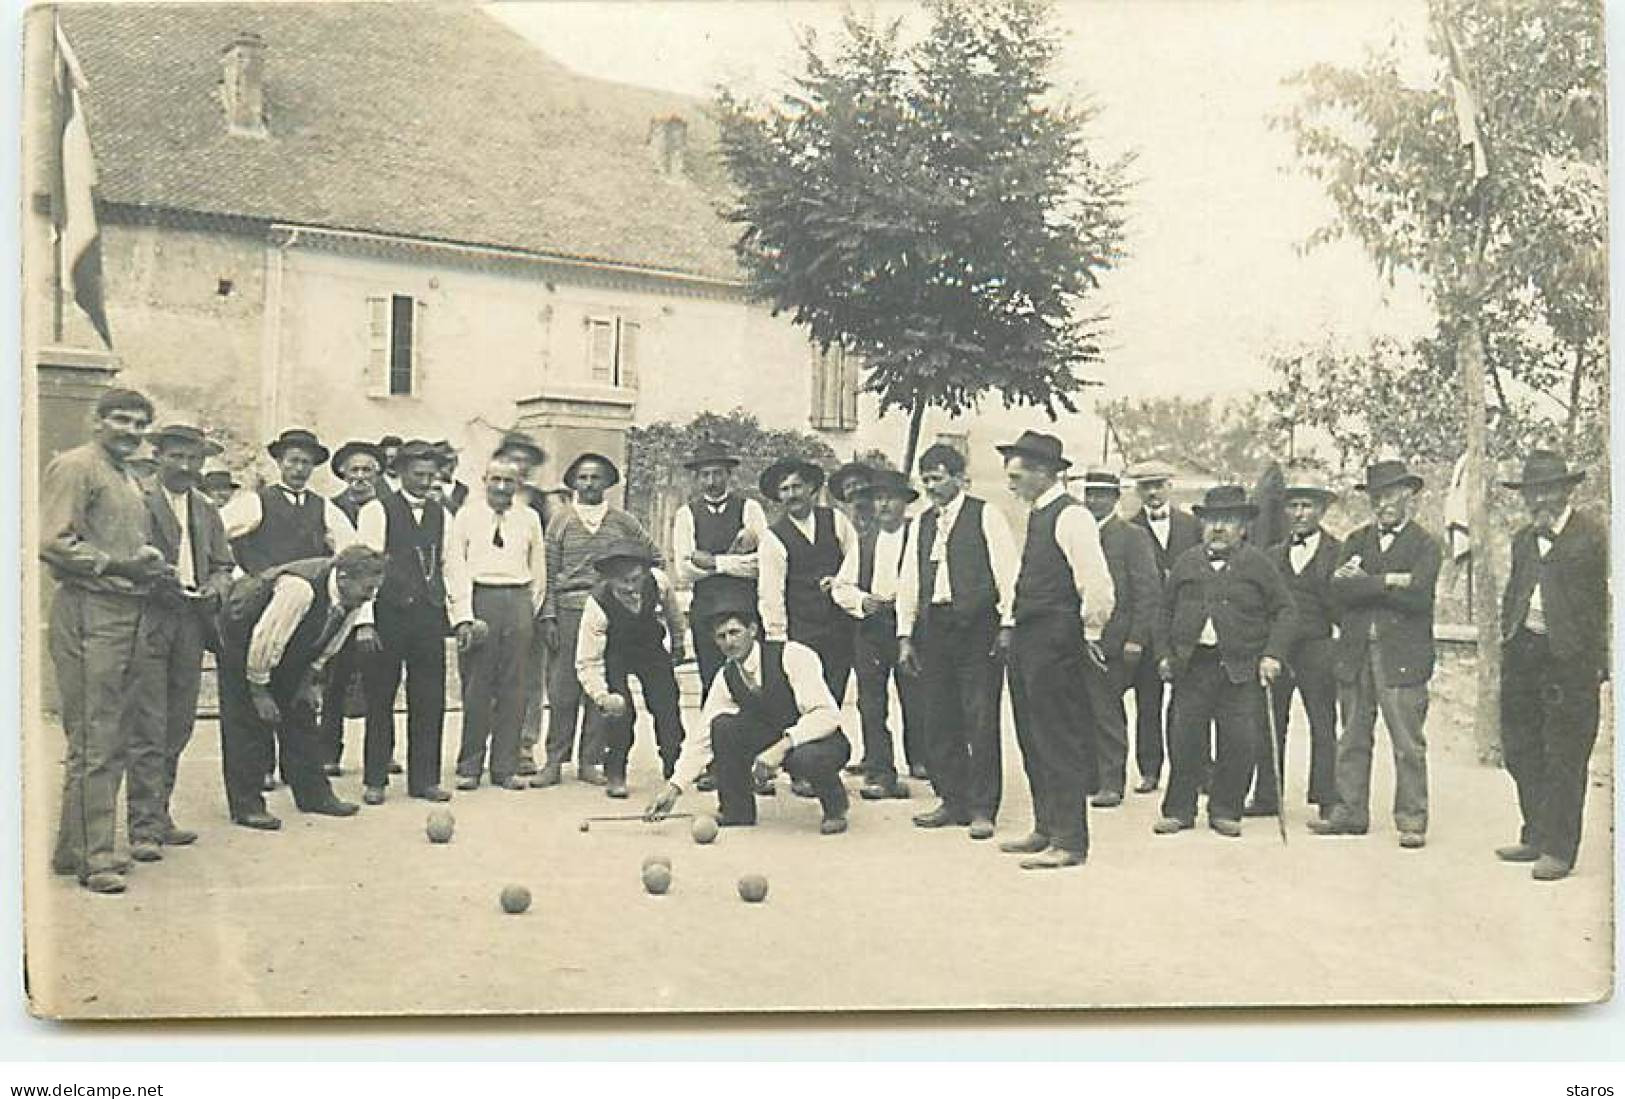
1387,532
414,502
717,507
1218,555
1302,539
1158,516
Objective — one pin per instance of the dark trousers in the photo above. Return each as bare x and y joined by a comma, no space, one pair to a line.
706,654
1105,687
167,673
1048,667
658,679
736,741
1149,733
876,667
247,743
1549,714
414,640
1309,674
1204,696
92,639
342,672
835,647
565,702
493,677
538,660
961,683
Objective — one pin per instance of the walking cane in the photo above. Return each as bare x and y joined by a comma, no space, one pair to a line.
1275,760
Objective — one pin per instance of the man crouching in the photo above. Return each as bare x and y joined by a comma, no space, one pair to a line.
769,708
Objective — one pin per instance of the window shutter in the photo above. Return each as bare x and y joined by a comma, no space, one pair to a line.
630,337
415,386
601,350
816,386
849,391
376,369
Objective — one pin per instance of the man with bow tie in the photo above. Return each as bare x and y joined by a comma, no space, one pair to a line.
1305,560
287,521
1554,626
407,630
496,573
176,626
1382,590
1222,637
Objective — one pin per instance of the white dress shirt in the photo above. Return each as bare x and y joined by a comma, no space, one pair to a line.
474,557
1301,553
244,512
728,564
290,599
1209,636
1160,523
890,546
1079,537
1002,553
372,528
820,717
772,561
1535,620
593,639
180,505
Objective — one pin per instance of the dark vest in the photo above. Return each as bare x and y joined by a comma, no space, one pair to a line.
716,534
246,602
1045,584
286,533
631,633
415,573
885,621
774,706
970,566
813,614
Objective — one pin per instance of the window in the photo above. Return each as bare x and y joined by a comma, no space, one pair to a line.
394,332
834,389
612,351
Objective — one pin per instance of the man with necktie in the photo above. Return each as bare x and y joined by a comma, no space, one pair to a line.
1554,657
177,624
359,465
1382,591
287,521
526,454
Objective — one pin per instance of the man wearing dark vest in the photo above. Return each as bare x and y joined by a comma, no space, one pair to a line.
1554,623
359,465
1305,560
769,708
408,628
954,624
1173,531
1223,634
278,630
714,539
626,627
287,521
1125,640
1062,590
873,602
1382,590
176,626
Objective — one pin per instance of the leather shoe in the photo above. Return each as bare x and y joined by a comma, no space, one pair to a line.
373,795
1230,829
263,822
1412,841
1030,844
981,829
146,851
395,767
1550,869
433,793
765,787
104,881
1257,809
1107,799
527,767
617,788
468,782
178,837
1518,852
1053,859
853,769
547,776
832,826
512,782
1169,826
940,817
1146,786
880,791
1331,826
334,807
706,783
592,776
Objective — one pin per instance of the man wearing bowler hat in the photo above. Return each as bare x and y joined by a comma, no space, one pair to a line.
630,625
287,521
1305,561
1382,590
359,465
1062,590
1554,656
1222,636
583,531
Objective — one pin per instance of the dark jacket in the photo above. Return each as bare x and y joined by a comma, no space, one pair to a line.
1312,588
1137,585
1402,618
211,551
1573,582
1184,531
1248,601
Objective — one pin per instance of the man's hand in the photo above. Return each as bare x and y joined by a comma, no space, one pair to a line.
826,584
1002,641
1269,670
908,659
146,565
874,604
705,562
1165,670
367,640
265,707
1133,653
663,803
613,705
309,698
771,758
1396,579
471,635
1349,569
550,634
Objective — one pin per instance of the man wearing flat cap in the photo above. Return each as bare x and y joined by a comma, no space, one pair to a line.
583,531
359,465
1554,656
1382,590
1223,637
630,625
287,521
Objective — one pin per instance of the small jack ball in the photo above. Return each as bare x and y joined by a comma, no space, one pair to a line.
752,888
705,828
515,899
657,860
440,826
656,878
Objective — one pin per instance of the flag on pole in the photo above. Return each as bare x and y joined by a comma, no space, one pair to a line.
1466,106
1457,509
78,238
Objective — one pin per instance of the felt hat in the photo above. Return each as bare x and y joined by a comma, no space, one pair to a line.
1303,480
1101,479
1225,500
592,456
850,479
889,482
352,448
773,476
217,471
1149,472
298,437
413,450
622,553
1388,472
1546,467
710,453
185,433
1039,447
521,441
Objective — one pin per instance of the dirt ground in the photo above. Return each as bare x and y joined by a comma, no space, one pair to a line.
364,915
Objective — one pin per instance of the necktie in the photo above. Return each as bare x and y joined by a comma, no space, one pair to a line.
496,533
746,678
296,497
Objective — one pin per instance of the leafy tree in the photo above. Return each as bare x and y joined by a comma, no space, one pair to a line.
1232,440
934,208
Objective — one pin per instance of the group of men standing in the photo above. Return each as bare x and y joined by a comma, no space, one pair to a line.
557,604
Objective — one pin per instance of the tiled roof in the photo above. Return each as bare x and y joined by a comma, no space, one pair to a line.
422,120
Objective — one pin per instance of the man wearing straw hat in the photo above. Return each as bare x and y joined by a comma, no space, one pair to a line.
218,483
1554,625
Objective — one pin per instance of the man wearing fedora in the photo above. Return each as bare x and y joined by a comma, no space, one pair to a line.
1063,591
287,521
1382,590
630,625
872,600
406,628
1173,530
1305,560
218,483
954,623
1126,638
1222,637
583,531
177,624
1554,657
359,465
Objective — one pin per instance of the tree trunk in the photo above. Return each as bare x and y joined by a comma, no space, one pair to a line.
1485,574
916,418
1575,381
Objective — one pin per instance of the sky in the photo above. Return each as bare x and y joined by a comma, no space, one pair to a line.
1215,280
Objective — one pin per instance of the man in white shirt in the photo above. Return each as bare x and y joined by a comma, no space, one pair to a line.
287,521
496,577
1064,589
769,708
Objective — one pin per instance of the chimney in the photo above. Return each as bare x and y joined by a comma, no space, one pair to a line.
242,84
668,137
